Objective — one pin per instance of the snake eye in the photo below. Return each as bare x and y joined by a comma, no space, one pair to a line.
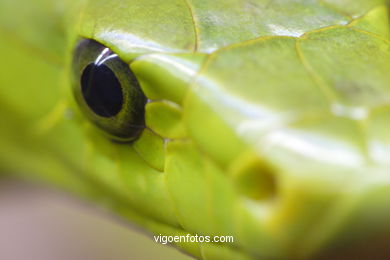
107,91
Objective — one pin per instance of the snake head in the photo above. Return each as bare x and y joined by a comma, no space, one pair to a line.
262,120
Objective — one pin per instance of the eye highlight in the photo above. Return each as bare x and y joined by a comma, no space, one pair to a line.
107,91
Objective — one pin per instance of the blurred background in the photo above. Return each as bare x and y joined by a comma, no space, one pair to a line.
41,224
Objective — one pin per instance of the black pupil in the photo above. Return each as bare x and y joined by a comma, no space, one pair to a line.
101,90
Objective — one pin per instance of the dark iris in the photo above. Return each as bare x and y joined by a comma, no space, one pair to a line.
101,90
107,91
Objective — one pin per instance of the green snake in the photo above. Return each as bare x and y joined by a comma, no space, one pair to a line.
266,120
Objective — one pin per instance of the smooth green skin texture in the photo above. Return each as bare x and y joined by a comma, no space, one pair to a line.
268,120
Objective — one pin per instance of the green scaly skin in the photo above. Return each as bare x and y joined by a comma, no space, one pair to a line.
268,119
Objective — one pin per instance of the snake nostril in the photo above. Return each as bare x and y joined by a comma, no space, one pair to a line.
255,180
